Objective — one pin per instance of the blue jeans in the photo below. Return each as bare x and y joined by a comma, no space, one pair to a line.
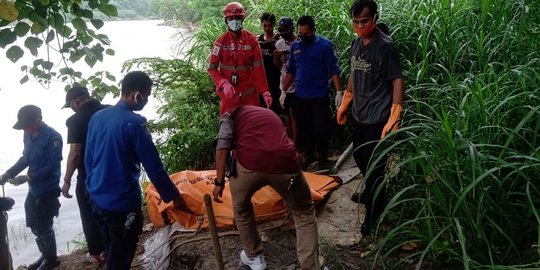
40,211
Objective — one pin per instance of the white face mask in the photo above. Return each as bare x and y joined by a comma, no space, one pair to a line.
235,25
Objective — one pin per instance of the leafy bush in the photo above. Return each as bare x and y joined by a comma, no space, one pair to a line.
468,191
470,156
188,119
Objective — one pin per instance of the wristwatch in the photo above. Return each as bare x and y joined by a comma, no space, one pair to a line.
219,183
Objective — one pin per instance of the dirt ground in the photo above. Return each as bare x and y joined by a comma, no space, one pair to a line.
341,246
279,244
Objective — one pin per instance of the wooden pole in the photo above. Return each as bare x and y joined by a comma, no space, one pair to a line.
213,231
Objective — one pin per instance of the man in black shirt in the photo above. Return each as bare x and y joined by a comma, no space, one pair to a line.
79,100
376,90
267,42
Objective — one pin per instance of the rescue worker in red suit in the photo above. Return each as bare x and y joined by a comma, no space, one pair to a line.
236,64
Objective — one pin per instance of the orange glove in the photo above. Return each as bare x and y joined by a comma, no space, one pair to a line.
342,111
393,120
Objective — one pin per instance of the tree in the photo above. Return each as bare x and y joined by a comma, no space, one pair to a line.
64,27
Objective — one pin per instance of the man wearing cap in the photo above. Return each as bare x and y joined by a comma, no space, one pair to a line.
312,64
42,155
281,59
236,64
79,100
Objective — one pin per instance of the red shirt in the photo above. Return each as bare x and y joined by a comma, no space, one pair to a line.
259,140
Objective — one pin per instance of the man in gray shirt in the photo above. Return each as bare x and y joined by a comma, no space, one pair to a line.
376,90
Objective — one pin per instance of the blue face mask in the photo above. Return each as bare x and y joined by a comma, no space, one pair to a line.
141,102
307,39
235,25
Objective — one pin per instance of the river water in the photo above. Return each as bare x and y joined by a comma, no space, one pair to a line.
129,39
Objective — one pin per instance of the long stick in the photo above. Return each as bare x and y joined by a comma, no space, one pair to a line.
213,231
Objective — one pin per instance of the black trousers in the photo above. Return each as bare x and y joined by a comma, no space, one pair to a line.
365,138
40,211
90,228
122,230
313,119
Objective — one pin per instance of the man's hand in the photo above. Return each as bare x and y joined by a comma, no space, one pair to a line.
341,114
282,99
267,99
393,120
339,98
4,178
218,193
65,189
180,204
19,179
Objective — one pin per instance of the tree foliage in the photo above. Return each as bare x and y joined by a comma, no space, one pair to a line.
58,34
192,11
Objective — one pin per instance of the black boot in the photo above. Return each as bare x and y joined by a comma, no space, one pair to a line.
49,264
36,264
366,227
359,197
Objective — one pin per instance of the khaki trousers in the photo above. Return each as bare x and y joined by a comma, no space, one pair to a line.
298,201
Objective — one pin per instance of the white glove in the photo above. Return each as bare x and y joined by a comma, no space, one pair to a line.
339,97
20,179
4,178
282,99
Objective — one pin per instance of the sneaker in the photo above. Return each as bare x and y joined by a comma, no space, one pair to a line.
49,264
255,263
93,259
36,264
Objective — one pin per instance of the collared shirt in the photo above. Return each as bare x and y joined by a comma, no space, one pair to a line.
118,142
373,68
77,126
42,155
259,140
312,67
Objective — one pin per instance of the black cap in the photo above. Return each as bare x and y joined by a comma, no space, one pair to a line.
27,115
74,92
285,24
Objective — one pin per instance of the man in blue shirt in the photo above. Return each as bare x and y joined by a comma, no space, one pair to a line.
42,155
312,63
117,143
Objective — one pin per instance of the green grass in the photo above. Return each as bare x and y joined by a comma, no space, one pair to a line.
470,159
467,191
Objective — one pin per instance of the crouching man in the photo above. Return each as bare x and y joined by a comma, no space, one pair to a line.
264,156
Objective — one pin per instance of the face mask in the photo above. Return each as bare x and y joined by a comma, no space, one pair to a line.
366,31
307,39
235,25
287,36
141,102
